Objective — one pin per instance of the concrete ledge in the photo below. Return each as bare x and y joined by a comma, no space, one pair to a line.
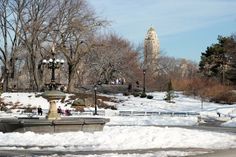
88,124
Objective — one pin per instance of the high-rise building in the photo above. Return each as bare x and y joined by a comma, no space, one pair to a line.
151,49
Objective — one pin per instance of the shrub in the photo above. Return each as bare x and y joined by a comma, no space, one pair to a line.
126,94
136,94
143,95
170,92
212,90
227,97
78,102
149,96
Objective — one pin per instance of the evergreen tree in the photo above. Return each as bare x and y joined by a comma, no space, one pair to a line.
219,60
170,93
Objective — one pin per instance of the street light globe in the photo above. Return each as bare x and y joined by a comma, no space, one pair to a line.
57,61
45,61
95,88
50,60
62,61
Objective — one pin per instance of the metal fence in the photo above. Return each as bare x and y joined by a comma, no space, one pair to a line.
146,113
140,113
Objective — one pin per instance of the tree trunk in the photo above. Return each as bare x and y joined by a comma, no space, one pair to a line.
35,76
71,77
5,81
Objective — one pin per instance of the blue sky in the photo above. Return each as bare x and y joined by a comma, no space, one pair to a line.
184,27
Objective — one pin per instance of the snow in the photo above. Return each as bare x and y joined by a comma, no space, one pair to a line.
152,120
155,154
128,132
181,103
25,99
33,100
230,123
121,138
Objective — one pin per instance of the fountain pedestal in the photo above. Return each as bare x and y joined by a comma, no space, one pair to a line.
52,97
52,113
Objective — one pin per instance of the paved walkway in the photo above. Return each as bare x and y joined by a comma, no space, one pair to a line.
214,153
220,153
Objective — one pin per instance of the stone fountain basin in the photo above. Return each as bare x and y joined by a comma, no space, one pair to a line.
70,124
53,95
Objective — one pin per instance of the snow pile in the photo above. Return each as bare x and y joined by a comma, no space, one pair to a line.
153,154
120,138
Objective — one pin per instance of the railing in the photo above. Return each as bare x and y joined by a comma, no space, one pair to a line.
146,113
140,113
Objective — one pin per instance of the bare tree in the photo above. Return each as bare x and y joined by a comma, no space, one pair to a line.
35,23
75,25
30,27
115,59
9,43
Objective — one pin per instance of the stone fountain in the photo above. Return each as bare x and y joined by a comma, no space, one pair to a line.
53,122
52,96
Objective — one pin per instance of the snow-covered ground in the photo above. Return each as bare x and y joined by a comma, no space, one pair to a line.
128,132
181,103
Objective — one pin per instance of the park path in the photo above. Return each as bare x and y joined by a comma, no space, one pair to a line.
199,151
140,152
219,153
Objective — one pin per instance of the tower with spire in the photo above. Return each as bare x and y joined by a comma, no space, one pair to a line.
151,49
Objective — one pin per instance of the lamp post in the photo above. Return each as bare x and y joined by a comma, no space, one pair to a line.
53,64
7,80
144,81
95,100
52,95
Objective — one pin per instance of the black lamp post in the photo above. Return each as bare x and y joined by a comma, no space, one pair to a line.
53,64
7,79
95,100
144,81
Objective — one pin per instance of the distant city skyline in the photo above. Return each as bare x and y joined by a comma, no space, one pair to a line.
185,27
